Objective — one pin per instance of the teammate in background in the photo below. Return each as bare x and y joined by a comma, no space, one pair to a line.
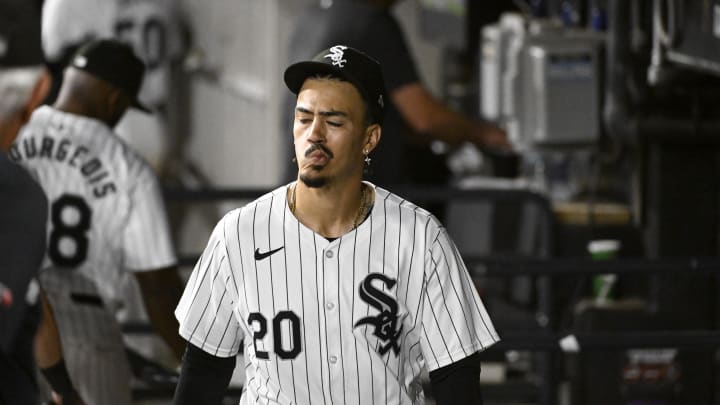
23,213
154,29
415,118
106,216
339,290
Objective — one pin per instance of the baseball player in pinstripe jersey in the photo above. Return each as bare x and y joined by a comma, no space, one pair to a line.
106,215
336,290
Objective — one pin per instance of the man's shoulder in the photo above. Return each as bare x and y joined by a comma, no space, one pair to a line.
17,181
27,209
405,213
95,146
66,123
278,195
236,221
390,199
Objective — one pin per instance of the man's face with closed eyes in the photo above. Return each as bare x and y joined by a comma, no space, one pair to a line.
329,131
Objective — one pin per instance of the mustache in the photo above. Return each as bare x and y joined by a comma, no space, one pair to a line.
315,147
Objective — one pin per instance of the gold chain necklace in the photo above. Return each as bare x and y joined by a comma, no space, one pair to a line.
364,205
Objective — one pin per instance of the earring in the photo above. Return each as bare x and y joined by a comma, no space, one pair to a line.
294,159
367,157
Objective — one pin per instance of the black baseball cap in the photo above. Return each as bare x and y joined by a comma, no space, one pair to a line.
116,63
347,64
20,44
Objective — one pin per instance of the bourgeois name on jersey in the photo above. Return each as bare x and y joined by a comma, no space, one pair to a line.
65,151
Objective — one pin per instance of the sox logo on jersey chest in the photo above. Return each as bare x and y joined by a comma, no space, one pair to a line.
385,322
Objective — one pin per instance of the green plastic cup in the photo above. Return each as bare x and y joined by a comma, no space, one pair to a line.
602,284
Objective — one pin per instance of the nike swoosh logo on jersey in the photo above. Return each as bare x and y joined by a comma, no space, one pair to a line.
263,255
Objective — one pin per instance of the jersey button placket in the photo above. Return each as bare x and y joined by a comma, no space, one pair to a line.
332,261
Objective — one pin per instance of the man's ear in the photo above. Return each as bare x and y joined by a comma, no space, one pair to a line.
117,100
373,133
114,98
40,91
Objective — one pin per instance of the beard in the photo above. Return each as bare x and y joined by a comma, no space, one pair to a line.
316,181
313,181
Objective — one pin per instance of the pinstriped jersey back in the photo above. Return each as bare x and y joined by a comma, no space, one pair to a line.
106,209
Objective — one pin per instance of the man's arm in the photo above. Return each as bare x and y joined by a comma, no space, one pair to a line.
49,357
427,115
458,383
161,290
204,378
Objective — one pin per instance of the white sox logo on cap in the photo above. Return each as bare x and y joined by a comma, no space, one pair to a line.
348,64
336,55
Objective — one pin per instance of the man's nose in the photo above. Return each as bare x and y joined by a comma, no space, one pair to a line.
316,132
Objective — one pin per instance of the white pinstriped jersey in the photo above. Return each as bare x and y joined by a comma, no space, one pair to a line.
152,27
348,321
106,210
